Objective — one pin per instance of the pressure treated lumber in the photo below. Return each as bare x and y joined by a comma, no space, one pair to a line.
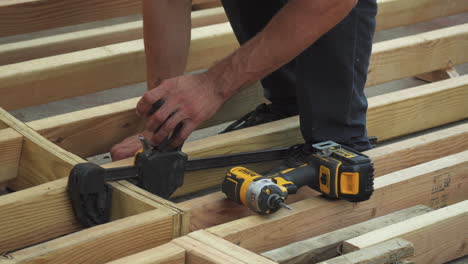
214,209
408,12
393,192
39,157
50,45
121,64
438,236
328,246
101,68
165,254
229,248
390,115
111,123
388,252
17,17
11,143
394,13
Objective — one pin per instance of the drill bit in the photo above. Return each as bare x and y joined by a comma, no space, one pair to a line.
282,204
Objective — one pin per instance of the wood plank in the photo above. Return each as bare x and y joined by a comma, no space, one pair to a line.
328,246
395,13
44,212
408,12
11,143
214,209
121,64
395,59
41,161
48,45
438,236
229,248
393,192
390,115
165,254
23,16
103,243
388,252
199,253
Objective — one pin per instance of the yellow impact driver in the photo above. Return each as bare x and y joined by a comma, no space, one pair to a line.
334,170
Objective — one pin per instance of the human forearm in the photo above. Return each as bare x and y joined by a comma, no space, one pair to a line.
299,24
166,28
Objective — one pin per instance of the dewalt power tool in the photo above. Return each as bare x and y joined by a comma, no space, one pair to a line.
332,169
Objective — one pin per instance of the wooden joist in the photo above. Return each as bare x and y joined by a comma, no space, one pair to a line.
100,36
388,252
438,236
328,246
11,143
393,192
17,17
51,45
165,254
121,64
68,130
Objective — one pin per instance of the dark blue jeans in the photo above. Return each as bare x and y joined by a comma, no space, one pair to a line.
325,83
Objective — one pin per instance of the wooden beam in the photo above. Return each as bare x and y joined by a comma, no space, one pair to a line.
39,157
199,253
229,248
11,143
30,49
44,212
327,246
395,59
214,209
390,115
388,252
409,12
17,17
121,64
111,123
393,192
438,236
395,13
104,67
165,254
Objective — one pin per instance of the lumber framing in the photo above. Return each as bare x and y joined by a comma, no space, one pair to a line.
166,254
327,246
390,115
407,12
45,210
68,130
30,49
123,63
387,252
11,143
438,236
17,17
393,192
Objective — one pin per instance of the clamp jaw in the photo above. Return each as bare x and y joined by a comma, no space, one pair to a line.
157,170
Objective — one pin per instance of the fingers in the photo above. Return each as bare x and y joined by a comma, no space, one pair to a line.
184,133
167,128
146,102
157,119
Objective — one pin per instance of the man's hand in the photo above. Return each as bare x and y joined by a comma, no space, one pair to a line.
189,100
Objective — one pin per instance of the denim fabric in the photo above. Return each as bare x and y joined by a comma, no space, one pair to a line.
325,83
